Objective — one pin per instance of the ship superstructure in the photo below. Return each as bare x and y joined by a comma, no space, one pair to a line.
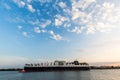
57,66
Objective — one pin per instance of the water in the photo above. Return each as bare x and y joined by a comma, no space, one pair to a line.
113,74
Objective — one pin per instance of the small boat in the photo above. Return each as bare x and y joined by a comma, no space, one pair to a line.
22,71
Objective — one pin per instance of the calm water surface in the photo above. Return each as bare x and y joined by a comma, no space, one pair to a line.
113,74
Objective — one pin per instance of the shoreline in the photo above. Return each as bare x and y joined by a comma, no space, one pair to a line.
11,69
91,68
105,67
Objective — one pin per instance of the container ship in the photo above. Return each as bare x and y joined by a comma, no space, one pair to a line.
56,66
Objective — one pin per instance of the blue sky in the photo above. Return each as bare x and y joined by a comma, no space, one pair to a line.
36,30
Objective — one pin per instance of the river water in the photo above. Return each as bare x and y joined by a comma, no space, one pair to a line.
113,74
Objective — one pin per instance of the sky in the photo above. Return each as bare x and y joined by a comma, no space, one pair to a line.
48,30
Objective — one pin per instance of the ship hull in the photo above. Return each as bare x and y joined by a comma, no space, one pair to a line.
42,69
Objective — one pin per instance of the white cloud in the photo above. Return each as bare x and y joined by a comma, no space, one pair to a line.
59,20
106,18
101,18
24,34
41,23
62,4
77,30
98,26
67,25
54,36
90,29
103,27
108,5
81,4
34,22
30,8
43,31
45,1
37,30
20,27
94,16
78,14
29,1
46,23
20,3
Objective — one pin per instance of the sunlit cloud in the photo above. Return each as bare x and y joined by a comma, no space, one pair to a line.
29,1
83,16
20,27
37,30
30,8
19,3
60,20
62,4
54,36
45,23
25,34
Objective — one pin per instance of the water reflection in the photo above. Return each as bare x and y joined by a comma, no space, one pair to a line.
69,75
